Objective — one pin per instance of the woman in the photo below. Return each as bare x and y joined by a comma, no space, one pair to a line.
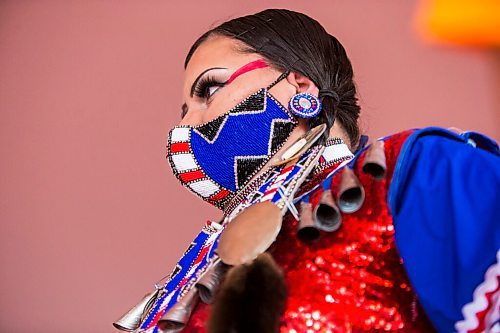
322,233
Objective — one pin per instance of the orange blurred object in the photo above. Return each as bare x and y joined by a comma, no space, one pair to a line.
466,22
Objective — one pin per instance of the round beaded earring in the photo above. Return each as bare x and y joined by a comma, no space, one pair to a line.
305,105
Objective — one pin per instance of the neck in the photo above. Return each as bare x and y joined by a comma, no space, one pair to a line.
335,132
336,151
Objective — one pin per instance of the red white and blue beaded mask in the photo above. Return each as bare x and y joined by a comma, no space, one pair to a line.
216,159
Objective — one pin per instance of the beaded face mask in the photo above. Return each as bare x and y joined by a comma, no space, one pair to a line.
216,159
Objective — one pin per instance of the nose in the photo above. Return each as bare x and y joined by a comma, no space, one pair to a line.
192,118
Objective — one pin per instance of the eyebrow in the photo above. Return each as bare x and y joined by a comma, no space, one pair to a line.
199,77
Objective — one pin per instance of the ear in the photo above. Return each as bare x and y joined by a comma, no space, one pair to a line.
302,83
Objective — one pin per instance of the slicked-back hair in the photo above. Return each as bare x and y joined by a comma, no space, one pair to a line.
293,41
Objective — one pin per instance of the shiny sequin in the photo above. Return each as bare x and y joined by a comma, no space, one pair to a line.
351,280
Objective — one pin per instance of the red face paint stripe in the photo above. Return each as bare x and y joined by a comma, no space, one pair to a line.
180,147
193,175
247,68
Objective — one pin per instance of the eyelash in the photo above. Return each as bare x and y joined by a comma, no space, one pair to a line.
201,89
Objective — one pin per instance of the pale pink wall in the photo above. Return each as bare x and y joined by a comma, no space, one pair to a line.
90,213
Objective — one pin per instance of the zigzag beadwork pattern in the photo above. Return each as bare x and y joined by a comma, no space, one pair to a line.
201,253
191,149
189,171
336,151
193,263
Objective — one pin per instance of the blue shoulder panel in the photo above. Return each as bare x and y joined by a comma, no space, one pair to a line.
445,201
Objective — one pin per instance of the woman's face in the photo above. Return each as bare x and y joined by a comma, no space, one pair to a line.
216,59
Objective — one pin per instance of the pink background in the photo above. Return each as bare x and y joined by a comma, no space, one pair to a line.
90,213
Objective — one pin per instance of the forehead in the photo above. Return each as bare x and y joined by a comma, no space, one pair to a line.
217,51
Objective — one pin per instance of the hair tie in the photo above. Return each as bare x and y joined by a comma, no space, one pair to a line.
329,93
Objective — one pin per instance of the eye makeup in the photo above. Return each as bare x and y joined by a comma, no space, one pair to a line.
204,85
195,83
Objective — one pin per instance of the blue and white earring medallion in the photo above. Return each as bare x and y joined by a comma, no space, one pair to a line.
305,105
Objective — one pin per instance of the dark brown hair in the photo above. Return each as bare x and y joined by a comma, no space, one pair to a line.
294,41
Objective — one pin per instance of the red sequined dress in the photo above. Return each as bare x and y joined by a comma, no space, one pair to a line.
350,280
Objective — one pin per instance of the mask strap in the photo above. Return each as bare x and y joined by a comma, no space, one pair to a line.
281,77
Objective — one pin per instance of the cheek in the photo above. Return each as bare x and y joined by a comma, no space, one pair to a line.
283,92
230,96
221,103
225,100
192,118
201,113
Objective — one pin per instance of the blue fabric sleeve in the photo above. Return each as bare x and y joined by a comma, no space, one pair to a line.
445,201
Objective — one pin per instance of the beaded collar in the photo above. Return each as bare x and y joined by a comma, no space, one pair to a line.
336,151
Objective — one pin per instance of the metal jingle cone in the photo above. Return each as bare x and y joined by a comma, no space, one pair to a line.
178,315
132,319
375,163
210,281
351,193
306,229
327,215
